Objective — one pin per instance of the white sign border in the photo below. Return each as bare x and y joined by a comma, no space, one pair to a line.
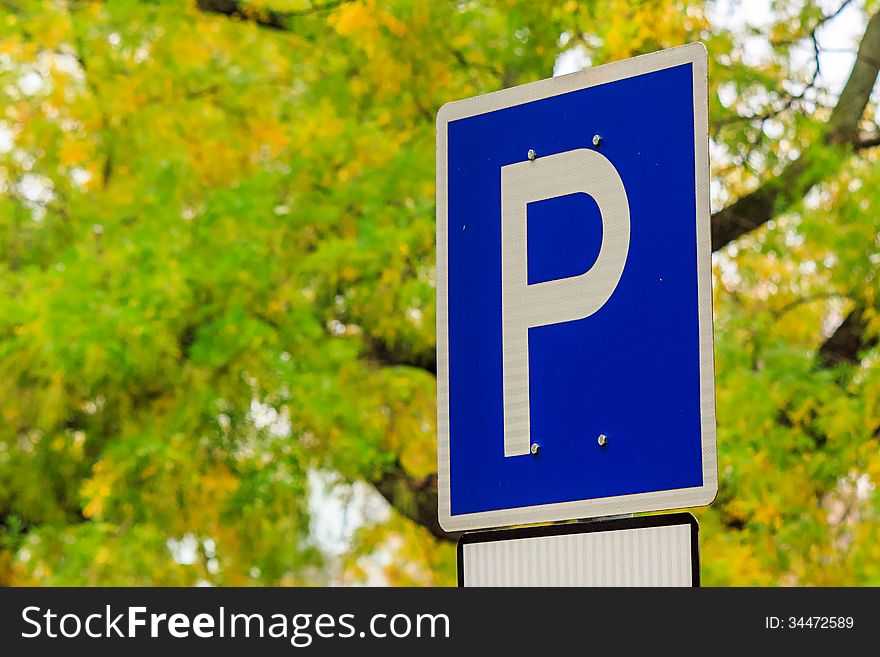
680,498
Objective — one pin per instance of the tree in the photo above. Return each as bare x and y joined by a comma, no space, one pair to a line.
218,273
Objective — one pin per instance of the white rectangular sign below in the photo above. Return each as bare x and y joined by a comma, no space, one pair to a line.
648,551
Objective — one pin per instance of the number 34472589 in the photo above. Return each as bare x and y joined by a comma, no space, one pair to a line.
809,622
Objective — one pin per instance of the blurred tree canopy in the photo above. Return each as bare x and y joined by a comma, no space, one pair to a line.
217,274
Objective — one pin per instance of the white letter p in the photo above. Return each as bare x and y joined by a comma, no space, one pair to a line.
524,306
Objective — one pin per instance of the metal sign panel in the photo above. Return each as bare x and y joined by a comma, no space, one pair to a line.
647,551
574,302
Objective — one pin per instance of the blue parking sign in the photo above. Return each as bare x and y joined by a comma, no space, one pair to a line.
574,296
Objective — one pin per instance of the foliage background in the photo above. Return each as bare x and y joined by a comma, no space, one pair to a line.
217,283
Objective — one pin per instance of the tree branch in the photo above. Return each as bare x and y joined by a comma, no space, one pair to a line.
792,99
268,18
381,353
847,343
842,130
416,499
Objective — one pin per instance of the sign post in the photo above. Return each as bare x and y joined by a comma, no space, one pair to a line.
575,374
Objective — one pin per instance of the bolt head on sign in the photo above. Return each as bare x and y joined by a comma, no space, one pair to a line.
574,296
